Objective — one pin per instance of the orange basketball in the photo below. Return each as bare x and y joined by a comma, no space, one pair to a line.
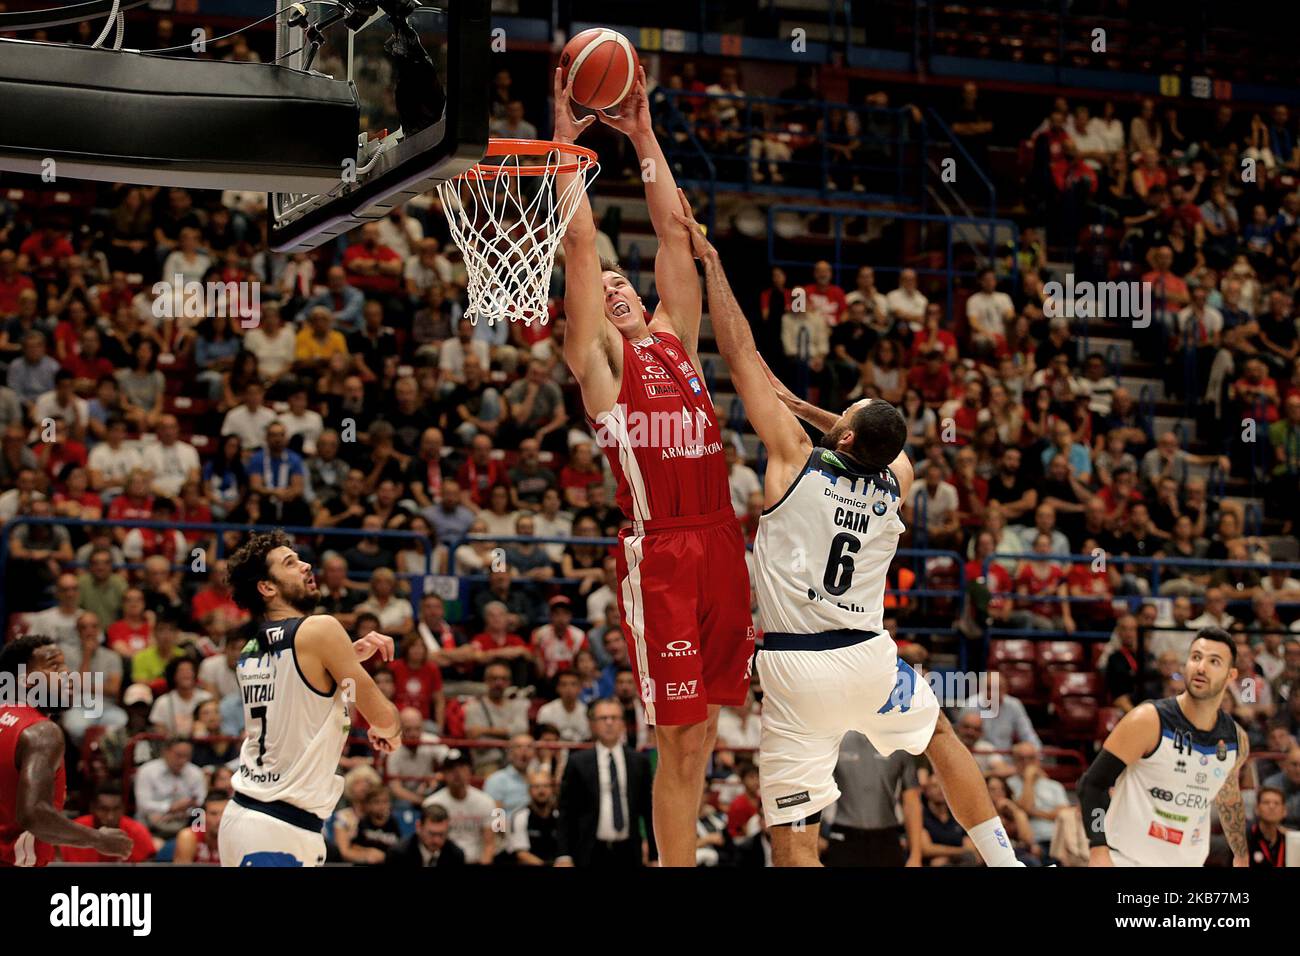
604,64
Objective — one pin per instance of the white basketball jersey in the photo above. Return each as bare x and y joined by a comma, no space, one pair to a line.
1160,812
295,733
823,551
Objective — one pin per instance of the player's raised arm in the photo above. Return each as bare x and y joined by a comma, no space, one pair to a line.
675,279
1231,808
824,421
787,444
323,638
585,347
1134,737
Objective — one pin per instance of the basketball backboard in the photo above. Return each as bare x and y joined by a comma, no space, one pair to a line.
392,167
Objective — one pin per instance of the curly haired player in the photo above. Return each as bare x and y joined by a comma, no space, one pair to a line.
299,674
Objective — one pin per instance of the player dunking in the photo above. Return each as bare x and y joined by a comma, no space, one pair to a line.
32,775
823,548
1169,761
297,675
684,587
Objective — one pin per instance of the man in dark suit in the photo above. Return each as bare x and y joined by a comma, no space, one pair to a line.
605,798
428,845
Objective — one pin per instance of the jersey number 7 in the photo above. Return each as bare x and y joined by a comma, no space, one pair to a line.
259,713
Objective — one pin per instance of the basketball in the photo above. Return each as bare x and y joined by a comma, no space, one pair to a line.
604,64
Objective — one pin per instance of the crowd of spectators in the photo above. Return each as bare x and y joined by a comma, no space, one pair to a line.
358,405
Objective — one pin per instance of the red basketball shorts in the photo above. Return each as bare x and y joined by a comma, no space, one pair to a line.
684,596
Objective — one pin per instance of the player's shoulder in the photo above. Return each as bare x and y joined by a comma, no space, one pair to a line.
319,626
1144,719
42,737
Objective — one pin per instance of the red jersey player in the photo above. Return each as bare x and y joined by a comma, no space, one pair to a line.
683,582
32,784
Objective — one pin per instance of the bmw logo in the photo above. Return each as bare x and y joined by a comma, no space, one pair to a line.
1204,760
879,508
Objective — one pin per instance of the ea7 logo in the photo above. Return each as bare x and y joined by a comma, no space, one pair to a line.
681,690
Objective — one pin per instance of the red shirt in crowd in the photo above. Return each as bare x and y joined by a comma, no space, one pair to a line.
93,369
10,289
997,580
384,284
829,301
45,254
969,497
933,386
54,457
923,341
208,600
485,642
137,831
479,480
415,686
1040,577
129,639
199,514
126,508
573,478
555,652
740,812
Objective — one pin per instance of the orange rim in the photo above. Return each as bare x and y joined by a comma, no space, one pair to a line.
582,158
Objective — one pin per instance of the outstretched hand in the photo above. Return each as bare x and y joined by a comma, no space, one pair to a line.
567,126
701,248
372,642
633,116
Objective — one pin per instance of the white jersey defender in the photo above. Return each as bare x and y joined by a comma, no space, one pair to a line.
1160,812
287,783
827,546
822,554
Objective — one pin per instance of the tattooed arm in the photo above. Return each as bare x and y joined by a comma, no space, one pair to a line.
1232,809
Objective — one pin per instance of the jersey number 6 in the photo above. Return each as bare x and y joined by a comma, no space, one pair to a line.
839,565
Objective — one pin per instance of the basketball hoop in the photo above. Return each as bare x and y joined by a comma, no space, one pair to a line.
507,215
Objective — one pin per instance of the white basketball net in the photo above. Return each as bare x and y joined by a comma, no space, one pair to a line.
508,227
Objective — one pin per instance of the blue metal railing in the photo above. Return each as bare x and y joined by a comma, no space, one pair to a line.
916,556
676,123
1134,601
969,162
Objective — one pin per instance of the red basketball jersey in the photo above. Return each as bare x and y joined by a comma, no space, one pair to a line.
662,436
18,847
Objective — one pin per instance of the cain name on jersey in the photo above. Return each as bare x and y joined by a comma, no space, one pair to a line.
823,551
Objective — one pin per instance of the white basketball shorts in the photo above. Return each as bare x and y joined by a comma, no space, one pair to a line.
811,698
253,838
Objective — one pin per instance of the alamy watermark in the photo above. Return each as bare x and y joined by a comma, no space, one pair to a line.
201,300
961,689
679,434
45,691
1098,300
